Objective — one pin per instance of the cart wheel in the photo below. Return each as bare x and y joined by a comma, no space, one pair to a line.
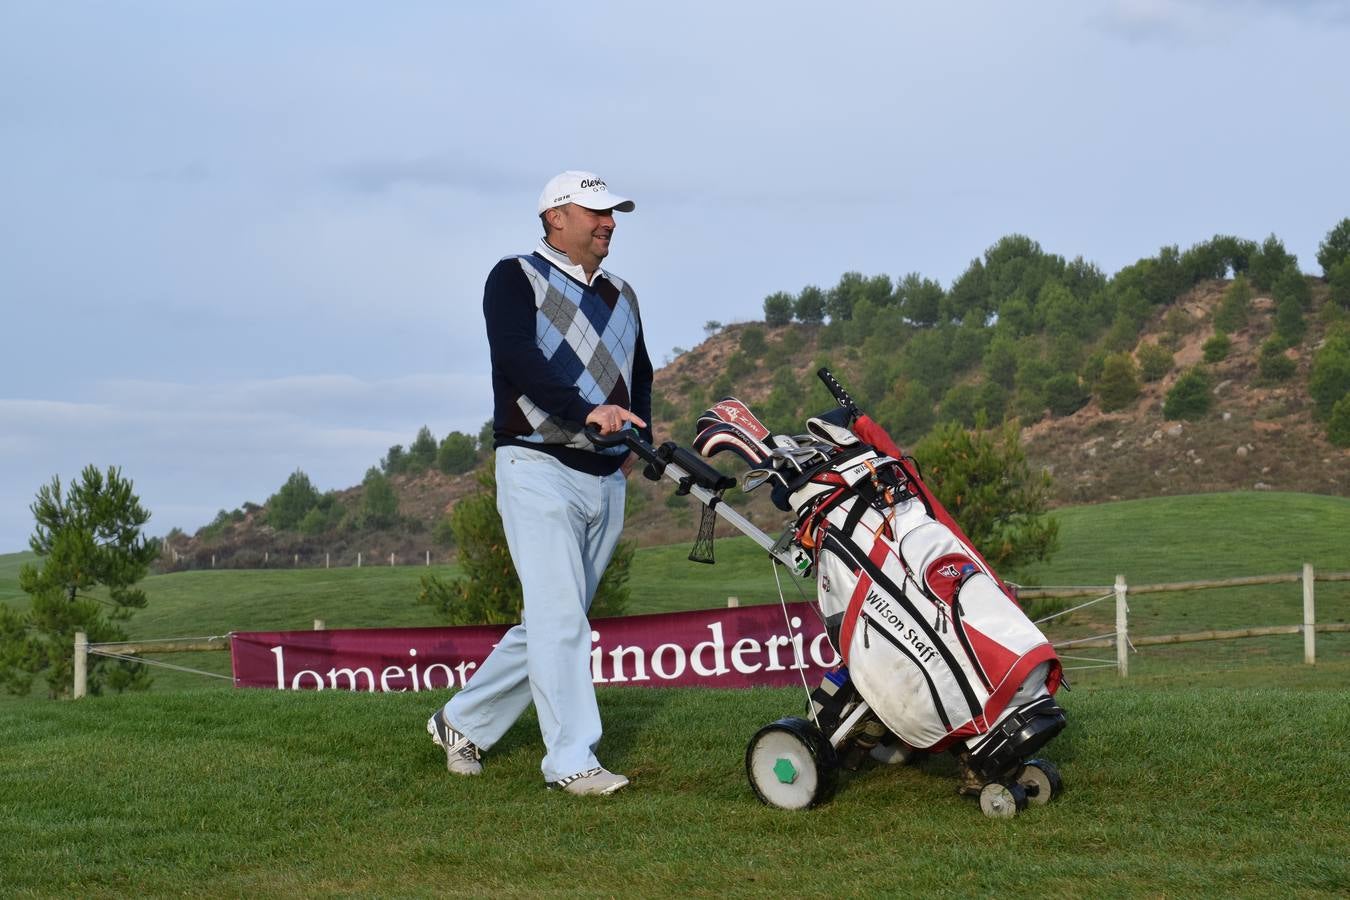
1041,780
790,764
1002,800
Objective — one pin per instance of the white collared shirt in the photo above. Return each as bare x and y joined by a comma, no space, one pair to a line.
559,259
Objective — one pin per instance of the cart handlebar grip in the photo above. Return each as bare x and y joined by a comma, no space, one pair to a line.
703,475
840,395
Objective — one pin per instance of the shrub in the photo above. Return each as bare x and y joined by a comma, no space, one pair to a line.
1177,324
1232,312
379,503
752,342
1340,283
1270,262
1189,398
959,404
421,452
288,506
1065,394
1155,361
1329,378
739,365
1338,424
1217,347
778,308
1119,384
457,453
1289,324
984,480
810,305
1271,362
1335,247
1292,285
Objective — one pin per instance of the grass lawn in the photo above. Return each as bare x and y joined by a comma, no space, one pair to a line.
1170,791
1215,769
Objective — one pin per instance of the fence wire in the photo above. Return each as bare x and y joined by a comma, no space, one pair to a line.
93,651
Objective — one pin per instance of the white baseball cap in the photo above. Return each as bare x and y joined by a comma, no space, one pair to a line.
582,188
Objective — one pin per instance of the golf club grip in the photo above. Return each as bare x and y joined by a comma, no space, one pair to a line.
841,396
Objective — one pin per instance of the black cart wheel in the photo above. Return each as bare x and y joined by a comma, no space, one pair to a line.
790,764
1041,780
1002,800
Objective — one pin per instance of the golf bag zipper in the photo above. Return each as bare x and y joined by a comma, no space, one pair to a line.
959,626
927,677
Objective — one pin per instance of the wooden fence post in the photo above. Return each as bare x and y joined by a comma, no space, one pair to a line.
1309,617
327,559
428,557
358,560
1122,629
81,665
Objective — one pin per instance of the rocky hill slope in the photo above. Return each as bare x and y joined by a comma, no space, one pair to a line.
1257,436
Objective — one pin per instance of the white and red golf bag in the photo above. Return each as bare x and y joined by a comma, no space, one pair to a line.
935,647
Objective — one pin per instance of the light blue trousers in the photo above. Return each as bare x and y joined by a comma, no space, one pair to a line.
561,527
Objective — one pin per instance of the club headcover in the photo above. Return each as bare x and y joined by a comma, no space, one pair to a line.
730,425
832,428
719,436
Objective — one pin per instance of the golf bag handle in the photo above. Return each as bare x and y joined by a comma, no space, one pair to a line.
841,396
657,458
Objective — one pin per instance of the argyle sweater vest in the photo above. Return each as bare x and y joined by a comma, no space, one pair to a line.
559,349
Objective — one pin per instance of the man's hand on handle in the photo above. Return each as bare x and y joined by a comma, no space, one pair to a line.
610,419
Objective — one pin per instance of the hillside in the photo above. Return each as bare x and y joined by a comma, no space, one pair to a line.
1259,433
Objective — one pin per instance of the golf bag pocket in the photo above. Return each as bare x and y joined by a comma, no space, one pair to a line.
992,631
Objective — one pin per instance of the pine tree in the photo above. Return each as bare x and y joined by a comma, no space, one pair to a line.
92,553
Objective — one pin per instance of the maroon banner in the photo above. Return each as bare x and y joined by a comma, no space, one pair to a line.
734,647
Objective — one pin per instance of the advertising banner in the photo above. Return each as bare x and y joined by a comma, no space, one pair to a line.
733,647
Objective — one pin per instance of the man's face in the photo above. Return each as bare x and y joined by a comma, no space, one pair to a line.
584,234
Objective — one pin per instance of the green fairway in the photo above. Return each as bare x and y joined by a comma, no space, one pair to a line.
1214,769
1170,791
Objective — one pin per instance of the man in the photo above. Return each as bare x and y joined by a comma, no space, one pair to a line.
567,350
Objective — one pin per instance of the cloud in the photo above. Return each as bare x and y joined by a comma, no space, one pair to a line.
195,449
1141,21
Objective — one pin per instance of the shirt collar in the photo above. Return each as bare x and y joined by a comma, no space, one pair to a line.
559,259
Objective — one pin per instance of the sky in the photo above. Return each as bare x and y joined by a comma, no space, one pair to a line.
243,238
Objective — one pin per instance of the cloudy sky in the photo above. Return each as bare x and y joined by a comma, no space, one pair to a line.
240,238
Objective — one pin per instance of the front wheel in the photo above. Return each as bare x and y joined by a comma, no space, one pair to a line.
1002,800
790,764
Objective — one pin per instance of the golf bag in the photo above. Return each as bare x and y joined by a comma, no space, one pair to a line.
936,652
937,655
